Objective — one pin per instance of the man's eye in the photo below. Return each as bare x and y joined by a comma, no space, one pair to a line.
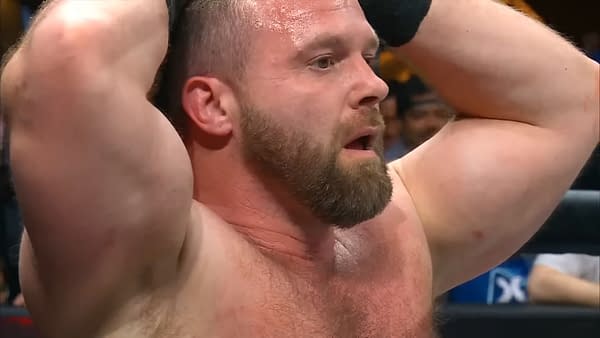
324,62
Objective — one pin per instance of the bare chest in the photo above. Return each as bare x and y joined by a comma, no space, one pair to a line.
391,298
355,308
382,287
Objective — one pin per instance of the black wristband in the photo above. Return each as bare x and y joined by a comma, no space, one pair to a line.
396,21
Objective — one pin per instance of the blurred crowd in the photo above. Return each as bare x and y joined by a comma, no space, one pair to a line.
413,113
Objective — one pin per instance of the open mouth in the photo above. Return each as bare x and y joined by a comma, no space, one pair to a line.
361,143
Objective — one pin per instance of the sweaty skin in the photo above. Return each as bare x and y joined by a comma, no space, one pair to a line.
131,232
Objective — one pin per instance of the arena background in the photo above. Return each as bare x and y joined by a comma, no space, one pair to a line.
574,227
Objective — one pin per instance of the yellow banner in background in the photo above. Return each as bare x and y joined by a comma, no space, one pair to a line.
523,7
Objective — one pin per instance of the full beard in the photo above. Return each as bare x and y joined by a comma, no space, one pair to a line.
337,195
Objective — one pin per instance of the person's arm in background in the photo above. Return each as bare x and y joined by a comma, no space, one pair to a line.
529,121
549,285
103,179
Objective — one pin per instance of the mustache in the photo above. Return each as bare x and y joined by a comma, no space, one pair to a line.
367,117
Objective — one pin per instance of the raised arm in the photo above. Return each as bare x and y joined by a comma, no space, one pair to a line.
103,179
529,104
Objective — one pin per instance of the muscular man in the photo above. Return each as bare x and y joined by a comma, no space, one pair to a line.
272,214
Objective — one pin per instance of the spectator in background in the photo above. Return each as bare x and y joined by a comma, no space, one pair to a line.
565,279
422,113
424,118
392,140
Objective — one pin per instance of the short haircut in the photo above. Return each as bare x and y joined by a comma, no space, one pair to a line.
210,39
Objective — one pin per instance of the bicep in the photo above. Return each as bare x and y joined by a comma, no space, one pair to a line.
483,187
103,181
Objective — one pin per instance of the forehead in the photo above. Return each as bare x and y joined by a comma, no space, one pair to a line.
283,10
301,21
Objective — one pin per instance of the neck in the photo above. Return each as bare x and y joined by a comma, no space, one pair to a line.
267,217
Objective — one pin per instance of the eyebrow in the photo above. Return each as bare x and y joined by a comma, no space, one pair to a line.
335,41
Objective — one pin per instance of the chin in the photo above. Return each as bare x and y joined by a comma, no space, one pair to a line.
356,193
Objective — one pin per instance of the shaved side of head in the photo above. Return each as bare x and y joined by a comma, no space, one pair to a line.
211,39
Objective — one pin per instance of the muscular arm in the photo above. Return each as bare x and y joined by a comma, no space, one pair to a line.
102,178
489,179
547,285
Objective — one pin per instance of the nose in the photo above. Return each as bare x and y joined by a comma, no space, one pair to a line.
368,89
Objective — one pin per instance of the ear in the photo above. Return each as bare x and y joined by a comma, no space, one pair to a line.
208,102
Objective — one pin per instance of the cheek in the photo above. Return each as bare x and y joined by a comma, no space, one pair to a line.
321,125
313,111
307,126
